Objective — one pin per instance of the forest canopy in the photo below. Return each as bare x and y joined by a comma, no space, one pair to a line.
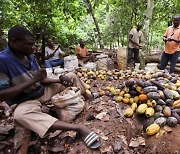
99,22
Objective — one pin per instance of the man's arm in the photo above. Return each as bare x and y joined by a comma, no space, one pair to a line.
11,92
50,80
130,39
165,39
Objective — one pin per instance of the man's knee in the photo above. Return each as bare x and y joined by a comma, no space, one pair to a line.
23,110
18,116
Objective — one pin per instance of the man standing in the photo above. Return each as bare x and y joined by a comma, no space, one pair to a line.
135,37
53,54
24,83
172,45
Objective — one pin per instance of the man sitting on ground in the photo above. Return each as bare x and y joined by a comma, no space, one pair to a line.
83,54
24,83
53,54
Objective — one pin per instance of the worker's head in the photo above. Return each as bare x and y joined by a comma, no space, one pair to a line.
176,20
82,43
21,40
139,26
50,42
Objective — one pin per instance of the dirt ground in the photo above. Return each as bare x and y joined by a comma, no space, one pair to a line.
118,134
116,131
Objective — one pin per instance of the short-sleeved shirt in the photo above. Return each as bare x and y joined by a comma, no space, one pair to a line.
49,51
137,36
82,51
172,46
13,72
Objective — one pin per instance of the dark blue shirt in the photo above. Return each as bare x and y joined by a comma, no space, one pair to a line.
13,72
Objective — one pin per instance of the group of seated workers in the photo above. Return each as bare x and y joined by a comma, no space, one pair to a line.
25,84
54,55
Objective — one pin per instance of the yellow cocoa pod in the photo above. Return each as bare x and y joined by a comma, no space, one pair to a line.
85,75
149,103
127,95
79,74
142,108
122,93
112,88
176,104
126,100
101,93
136,99
88,82
128,112
149,112
177,83
119,98
131,100
152,129
139,89
134,106
126,89
97,73
108,88
84,69
116,73
102,77
88,91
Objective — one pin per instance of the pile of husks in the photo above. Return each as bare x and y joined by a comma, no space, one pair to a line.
155,95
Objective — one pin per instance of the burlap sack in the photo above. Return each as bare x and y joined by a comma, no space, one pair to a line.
68,104
121,57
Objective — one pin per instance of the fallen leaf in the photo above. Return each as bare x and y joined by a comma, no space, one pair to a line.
117,145
56,133
101,115
167,129
134,143
107,149
160,133
141,141
102,135
123,138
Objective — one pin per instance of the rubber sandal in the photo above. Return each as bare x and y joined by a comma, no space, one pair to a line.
92,140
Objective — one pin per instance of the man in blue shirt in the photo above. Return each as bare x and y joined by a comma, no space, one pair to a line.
23,82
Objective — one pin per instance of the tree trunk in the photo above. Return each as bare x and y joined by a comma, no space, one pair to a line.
91,11
149,11
3,42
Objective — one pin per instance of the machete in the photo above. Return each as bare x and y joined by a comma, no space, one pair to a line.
43,50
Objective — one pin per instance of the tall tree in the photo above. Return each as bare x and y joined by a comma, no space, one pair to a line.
91,11
149,12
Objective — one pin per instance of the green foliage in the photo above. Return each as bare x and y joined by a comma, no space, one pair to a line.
69,20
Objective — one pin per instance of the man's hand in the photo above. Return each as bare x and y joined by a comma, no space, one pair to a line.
62,53
52,54
40,75
65,81
139,46
165,39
